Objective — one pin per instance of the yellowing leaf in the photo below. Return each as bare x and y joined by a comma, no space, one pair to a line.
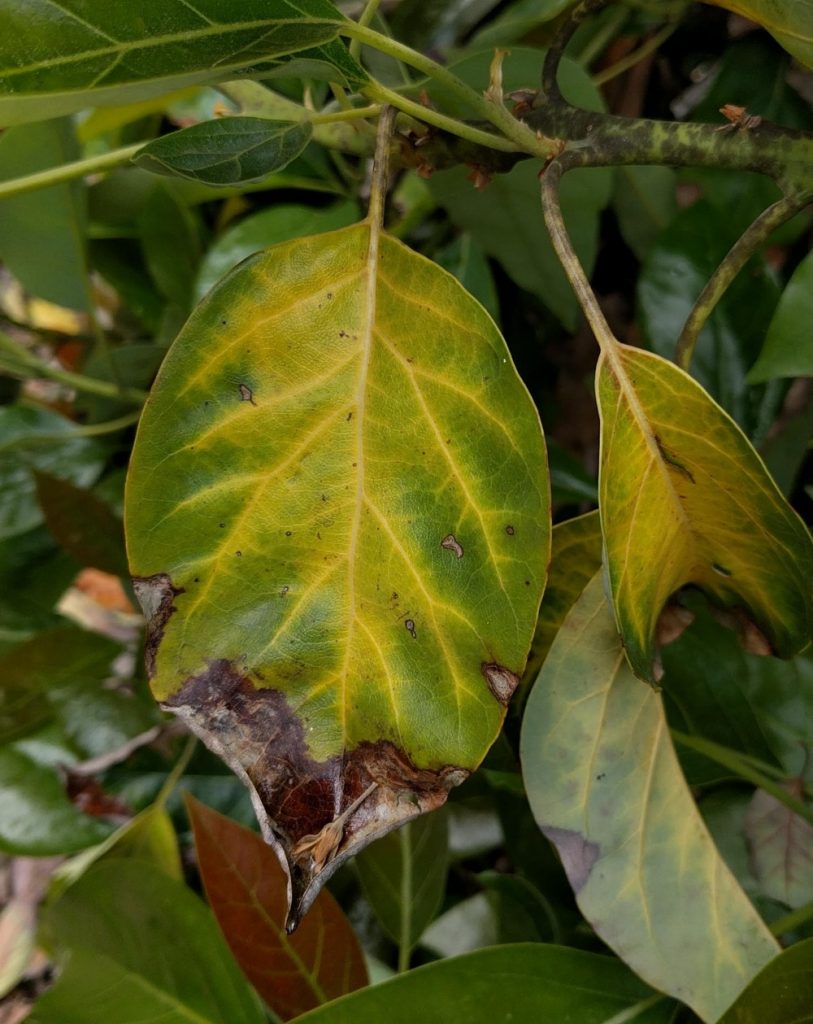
790,22
606,788
685,499
337,517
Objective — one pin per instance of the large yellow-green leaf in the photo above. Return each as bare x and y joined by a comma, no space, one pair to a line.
337,517
685,499
606,788
790,22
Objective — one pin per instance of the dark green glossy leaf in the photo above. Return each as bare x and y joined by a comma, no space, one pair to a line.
260,230
570,482
85,526
141,947
34,574
170,238
523,983
504,217
672,277
788,350
42,234
522,912
644,201
32,438
230,151
36,817
781,993
56,58
404,874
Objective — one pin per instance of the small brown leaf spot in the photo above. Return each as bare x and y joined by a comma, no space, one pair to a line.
343,334
196,579
510,530
238,554
221,525
284,590
527,583
600,776
349,417
246,394
330,295
288,533
672,622
410,628
450,543
224,322
501,681
721,569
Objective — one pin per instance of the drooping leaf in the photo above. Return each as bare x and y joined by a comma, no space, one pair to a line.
790,22
42,239
685,499
521,982
330,525
605,787
788,349
403,876
36,817
32,438
504,217
266,228
781,847
230,151
56,58
138,946
780,993
85,526
247,890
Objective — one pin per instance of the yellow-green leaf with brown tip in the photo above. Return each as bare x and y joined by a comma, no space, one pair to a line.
606,788
685,499
337,517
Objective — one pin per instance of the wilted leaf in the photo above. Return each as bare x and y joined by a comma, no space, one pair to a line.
248,892
230,151
60,57
137,947
788,350
521,982
790,22
33,438
781,847
85,526
330,526
605,787
780,993
685,499
403,876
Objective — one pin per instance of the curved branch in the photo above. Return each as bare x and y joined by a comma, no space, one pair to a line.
733,262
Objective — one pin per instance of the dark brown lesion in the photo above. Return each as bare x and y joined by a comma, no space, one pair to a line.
314,813
156,595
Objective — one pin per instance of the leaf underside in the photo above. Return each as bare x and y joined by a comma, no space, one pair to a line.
337,517
684,500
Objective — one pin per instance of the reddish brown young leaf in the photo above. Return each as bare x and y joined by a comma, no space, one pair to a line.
247,890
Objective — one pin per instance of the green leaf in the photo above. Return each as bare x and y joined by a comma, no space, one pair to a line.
523,982
605,787
42,234
337,509
645,202
518,20
780,993
673,275
34,438
781,846
56,58
268,227
686,500
141,947
84,525
788,350
230,151
170,239
523,914
247,890
504,218
789,22
403,876
36,817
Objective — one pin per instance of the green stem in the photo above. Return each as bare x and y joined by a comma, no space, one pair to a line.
404,940
352,114
736,258
174,777
365,19
108,427
513,130
790,922
23,363
643,51
731,760
68,172
596,45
